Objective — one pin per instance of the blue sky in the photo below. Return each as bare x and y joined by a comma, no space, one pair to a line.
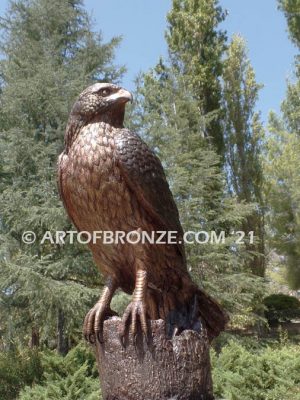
142,24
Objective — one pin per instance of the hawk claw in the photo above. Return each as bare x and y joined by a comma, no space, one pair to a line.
93,323
90,338
136,311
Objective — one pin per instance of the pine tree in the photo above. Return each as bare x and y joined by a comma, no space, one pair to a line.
50,54
243,143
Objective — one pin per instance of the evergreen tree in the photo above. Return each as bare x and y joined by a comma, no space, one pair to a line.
196,45
243,144
50,54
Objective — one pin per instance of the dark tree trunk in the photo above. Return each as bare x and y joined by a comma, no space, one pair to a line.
62,340
164,370
35,337
255,223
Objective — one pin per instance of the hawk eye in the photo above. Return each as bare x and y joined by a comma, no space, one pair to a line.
105,92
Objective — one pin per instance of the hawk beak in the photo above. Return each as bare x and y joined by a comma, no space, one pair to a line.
122,96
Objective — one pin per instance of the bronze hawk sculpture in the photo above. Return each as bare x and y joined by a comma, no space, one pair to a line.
110,180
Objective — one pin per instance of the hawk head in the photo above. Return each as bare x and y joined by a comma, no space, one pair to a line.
103,100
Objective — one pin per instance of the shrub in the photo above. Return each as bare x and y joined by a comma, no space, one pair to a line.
17,369
266,374
280,302
281,307
77,386
73,377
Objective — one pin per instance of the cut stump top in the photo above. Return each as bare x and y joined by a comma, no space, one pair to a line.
177,369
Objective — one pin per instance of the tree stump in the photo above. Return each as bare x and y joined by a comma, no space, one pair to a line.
177,369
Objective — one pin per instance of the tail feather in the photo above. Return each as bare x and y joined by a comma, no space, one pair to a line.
198,311
213,315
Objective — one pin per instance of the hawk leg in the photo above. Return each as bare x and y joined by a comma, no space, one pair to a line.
93,322
136,310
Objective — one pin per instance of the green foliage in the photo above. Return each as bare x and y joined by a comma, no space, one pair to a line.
281,307
271,373
282,165
244,132
282,192
119,302
243,144
291,9
18,368
73,377
281,301
196,45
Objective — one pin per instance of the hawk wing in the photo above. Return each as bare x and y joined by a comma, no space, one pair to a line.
144,174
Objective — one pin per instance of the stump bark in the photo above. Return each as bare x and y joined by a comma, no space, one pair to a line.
177,369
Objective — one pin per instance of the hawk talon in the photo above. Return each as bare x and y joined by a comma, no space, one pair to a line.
93,323
91,338
137,312
99,336
122,340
